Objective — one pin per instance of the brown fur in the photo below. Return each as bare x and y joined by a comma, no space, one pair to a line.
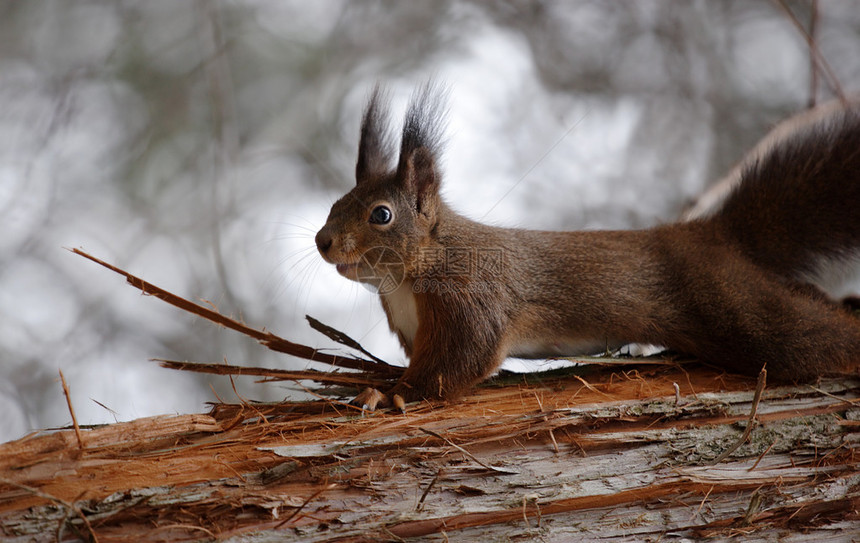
729,289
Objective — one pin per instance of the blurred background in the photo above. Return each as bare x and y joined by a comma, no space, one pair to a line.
199,145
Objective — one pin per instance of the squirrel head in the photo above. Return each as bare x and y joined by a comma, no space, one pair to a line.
379,227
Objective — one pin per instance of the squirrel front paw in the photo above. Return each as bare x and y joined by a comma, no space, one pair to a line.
370,398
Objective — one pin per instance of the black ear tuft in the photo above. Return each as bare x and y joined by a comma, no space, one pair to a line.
375,148
423,129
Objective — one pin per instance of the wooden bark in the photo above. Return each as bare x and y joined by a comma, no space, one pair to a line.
608,455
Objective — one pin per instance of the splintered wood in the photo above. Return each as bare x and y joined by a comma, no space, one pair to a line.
607,455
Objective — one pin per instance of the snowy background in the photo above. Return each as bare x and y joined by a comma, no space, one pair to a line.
200,144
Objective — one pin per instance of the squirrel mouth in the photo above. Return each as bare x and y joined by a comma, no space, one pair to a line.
346,269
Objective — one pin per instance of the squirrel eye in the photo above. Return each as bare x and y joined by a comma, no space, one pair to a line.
380,215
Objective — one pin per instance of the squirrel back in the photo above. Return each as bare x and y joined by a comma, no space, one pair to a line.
730,289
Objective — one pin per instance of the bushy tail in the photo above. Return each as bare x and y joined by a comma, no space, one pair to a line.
799,204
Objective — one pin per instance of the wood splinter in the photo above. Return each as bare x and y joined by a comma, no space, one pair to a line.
72,411
759,389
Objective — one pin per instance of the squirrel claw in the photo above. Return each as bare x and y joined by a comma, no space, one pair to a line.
399,403
369,399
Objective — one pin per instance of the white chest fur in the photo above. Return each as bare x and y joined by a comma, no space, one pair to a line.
402,312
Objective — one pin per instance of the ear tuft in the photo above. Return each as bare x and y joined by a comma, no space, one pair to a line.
425,123
421,143
375,147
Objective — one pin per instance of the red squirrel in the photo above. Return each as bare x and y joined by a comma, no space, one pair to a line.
731,289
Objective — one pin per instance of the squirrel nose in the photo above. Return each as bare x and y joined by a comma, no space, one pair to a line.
323,240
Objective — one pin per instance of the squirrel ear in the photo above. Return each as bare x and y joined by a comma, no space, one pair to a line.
418,173
420,145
